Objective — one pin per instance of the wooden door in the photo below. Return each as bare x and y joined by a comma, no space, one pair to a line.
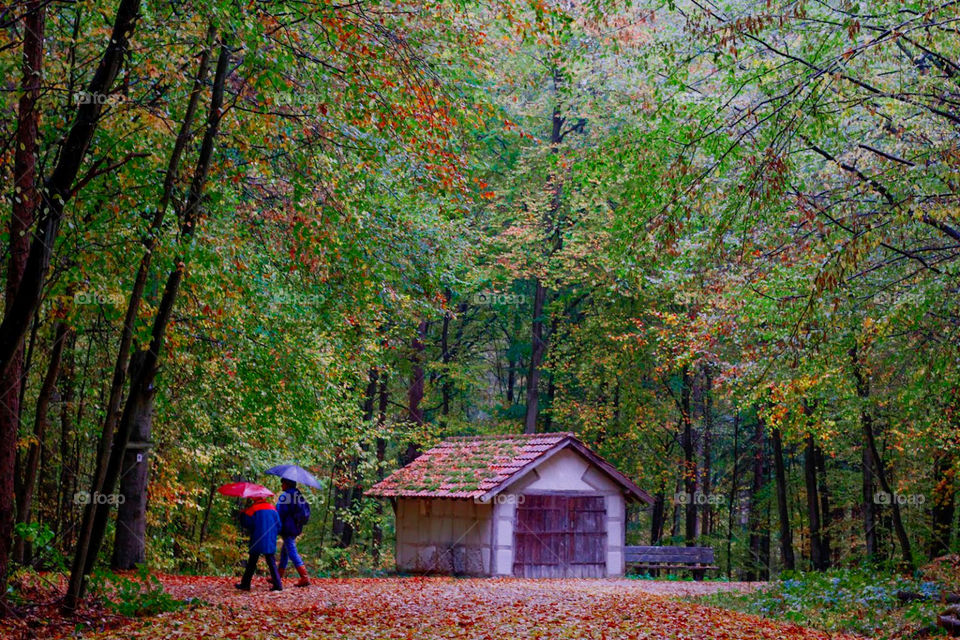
560,536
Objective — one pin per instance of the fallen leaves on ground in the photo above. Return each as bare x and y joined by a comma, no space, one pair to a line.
433,608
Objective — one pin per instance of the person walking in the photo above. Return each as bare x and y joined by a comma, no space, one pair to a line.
263,523
294,512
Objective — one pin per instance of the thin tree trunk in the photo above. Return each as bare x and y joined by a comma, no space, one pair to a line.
734,490
415,390
538,342
66,407
813,504
136,421
140,398
707,481
944,504
689,460
537,351
40,422
382,403
783,513
826,515
756,522
866,422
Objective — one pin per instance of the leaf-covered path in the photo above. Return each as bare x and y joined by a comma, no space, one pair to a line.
427,608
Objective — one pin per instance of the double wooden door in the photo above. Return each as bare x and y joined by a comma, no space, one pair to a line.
560,536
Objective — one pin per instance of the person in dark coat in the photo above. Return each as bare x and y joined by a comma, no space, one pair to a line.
294,512
263,523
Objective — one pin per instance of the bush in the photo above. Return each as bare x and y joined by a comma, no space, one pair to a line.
142,595
847,600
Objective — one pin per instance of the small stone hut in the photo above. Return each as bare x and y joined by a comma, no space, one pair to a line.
538,505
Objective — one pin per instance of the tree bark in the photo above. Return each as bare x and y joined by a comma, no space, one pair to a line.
383,399
138,406
136,421
538,342
944,504
689,460
757,528
783,512
734,491
538,349
25,199
826,514
813,504
40,422
871,452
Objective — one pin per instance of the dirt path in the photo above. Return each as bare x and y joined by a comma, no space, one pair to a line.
431,608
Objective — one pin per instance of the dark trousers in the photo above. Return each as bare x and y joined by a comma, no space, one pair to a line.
252,566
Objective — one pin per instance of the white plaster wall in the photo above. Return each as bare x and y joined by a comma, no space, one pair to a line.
444,535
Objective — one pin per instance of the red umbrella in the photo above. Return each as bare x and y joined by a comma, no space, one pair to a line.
245,490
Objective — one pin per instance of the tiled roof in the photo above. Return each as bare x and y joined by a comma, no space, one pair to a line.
466,467
478,466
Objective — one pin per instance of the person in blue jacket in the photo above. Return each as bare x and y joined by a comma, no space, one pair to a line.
294,512
263,523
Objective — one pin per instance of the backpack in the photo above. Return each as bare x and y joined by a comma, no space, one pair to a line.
302,515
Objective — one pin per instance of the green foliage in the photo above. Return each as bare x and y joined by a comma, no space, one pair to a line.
41,539
141,594
861,601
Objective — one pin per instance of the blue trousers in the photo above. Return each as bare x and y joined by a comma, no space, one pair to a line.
289,552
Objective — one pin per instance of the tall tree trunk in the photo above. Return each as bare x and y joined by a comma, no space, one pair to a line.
813,504
538,349
415,390
66,407
944,503
128,547
866,422
689,460
40,421
734,491
25,198
137,416
538,342
139,401
706,516
659,513
826,515
382,403
58,188
869,506
783,512
757,528
347,486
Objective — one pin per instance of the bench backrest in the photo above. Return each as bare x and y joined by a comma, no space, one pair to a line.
669,555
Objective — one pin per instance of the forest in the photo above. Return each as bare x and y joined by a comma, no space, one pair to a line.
717,240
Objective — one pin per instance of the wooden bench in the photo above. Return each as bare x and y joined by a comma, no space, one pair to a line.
697,559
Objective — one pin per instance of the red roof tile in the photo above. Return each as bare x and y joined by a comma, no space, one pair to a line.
471,467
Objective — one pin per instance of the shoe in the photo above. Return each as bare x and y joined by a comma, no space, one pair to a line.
304,580
241,586
276,588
